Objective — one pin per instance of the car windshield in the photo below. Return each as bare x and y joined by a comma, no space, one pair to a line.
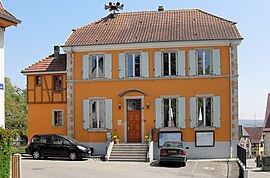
173,144
70,139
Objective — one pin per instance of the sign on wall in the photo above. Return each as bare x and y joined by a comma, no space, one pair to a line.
205,139
168,136
1,86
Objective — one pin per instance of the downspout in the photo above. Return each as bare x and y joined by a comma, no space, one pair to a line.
231,145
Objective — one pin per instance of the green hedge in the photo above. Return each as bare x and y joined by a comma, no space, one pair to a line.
5,152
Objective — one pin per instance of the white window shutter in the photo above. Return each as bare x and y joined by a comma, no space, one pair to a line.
86,118
158,113
192,69
108,66
157,62
216,62
145,64
216,111
181,63
121,65
181,112
85,67
108,113
192,112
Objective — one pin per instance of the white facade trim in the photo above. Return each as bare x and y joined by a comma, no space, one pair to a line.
44,73
164,45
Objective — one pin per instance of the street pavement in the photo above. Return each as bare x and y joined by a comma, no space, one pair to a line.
94,167
256,172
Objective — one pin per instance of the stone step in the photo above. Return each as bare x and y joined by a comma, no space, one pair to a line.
129,160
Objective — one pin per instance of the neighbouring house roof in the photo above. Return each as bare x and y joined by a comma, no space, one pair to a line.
48,64
155,26
266,126
254,133
4,14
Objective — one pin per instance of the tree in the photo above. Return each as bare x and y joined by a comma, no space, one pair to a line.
16,109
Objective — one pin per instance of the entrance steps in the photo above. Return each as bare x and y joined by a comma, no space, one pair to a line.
129,152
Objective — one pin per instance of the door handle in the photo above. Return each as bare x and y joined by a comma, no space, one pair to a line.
128,128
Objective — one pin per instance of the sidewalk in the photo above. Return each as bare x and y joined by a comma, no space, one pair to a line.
255,172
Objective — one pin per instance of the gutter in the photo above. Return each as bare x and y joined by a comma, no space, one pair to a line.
6,17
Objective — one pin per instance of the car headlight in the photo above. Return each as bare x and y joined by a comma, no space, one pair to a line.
81,147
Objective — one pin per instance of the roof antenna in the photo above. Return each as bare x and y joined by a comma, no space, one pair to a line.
114,7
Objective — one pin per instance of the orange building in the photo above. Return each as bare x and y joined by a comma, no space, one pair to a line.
172,74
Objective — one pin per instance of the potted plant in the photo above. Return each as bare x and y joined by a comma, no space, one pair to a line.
116,139
146,139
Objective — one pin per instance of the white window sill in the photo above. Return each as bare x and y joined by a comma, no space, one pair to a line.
57,127
97,130
170,129
208,128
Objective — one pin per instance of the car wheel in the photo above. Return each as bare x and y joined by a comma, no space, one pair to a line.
73,156
36,154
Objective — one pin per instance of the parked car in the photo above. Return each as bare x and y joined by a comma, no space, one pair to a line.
53,145
173,151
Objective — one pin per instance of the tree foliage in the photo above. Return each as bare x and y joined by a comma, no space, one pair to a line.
15,109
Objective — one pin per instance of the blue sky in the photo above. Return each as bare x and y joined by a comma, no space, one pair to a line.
46,23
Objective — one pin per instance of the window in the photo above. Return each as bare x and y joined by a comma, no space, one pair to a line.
38,80
204,62
97,114
96,66
58,118
169,63
133,63
170,112
204,112
204,59
169,106
57,81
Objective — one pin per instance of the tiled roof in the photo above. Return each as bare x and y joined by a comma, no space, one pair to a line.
48,64
254,133
6,15
154,26
266,126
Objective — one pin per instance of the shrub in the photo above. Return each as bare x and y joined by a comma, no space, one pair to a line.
5,152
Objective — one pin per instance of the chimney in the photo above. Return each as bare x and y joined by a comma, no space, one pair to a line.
56,52
160,8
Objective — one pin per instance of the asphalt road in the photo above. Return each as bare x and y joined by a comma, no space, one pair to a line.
94,167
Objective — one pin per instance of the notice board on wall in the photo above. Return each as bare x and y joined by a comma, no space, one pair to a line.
168,136
205,139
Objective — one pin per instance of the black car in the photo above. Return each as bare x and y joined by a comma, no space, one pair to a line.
53,145
173,151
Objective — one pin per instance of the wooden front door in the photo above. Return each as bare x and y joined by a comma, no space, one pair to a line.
134,127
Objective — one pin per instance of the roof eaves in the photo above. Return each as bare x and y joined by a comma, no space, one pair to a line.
6,17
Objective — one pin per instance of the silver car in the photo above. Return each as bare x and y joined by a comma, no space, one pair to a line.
173,151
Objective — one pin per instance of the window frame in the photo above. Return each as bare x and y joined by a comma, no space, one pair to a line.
170,103
53,118
54,82
38,80
204,63
97,100
133,64
204,110
169,65
90,73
